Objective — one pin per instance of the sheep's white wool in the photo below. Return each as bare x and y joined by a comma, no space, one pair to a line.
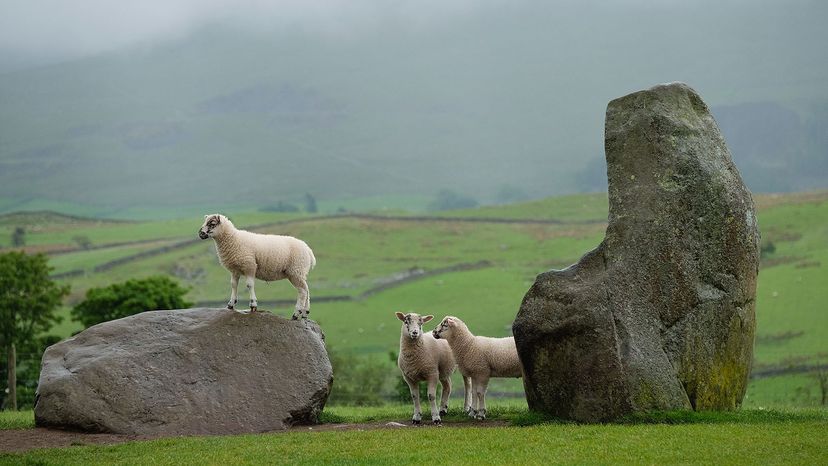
424,358
479,358
266,257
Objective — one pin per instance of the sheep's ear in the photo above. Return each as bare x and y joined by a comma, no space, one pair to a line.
427,318
218,219
400,316
205,217
449,321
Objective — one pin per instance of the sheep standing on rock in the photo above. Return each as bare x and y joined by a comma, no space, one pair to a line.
266,257
422,358
479,358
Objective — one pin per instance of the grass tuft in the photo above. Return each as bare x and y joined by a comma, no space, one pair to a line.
16,419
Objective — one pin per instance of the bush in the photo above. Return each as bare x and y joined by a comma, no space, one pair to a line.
131,297
360,380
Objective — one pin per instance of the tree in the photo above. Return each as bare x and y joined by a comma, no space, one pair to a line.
18,237
310,204
28,299
128,298
82,241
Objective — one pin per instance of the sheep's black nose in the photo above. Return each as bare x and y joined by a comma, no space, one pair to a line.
202,235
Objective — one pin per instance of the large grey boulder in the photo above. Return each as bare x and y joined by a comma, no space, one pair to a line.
192,371
661,314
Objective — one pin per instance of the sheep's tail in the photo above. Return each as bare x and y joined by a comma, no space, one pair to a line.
312,258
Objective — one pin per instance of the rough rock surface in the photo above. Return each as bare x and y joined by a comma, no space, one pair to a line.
661,314
192,371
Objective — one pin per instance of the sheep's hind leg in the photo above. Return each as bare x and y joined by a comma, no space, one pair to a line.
444,397
254,304
234,289
302,299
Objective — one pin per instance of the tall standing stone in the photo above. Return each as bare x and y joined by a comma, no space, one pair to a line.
661,315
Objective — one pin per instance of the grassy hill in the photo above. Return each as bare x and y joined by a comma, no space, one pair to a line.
476,264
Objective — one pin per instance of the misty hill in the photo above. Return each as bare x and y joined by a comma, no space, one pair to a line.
507,98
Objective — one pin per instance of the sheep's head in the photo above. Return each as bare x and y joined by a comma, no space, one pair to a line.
413,324
211,226
445,328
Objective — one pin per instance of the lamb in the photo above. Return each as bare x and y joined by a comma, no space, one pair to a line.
479,358
266,257
422,358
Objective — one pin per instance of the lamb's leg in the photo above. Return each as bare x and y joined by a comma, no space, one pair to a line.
254,303
303,298
481,384
446,383
467,396
415,396
234,289
432,400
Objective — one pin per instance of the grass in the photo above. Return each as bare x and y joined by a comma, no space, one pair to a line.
16,419
770,437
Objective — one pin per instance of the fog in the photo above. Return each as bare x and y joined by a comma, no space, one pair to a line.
372,98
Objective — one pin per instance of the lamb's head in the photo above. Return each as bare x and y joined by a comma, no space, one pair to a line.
413,324
213,225
447,327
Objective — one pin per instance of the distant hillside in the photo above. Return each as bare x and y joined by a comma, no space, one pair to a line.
508,99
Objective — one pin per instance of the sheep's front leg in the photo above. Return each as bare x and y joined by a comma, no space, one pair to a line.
303,298
446,383
467,396
251,281
234,289
415,396
432,400
481,384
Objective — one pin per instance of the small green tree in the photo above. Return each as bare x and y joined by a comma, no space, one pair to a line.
82,241
128,298
28,299
18,237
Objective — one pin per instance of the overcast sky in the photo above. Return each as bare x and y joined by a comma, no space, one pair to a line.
63,29
42,31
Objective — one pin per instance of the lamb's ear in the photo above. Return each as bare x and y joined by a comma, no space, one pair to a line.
218,219
427,318
205,217
400,316
449,321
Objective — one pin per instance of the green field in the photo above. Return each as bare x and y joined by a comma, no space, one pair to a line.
747,437
376,266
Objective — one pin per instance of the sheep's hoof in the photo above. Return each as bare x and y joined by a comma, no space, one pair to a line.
437,422
231,307
471,412
443,411
416,422
253,309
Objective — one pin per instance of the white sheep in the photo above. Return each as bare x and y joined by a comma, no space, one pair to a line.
479,358
266,257
423,358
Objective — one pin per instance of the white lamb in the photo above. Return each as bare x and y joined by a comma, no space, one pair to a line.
479,358
266,257
422,358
